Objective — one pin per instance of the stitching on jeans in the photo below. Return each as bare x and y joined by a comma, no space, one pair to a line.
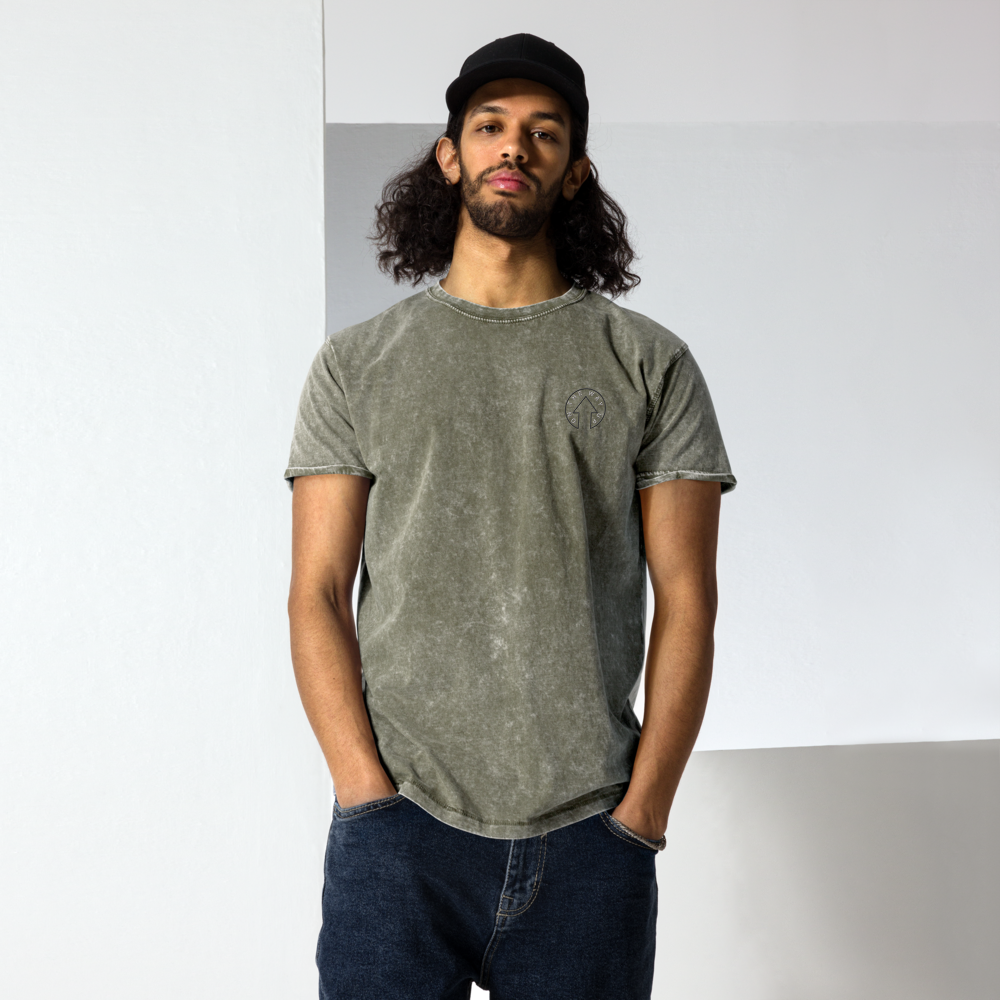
631,838
539,868
494,941
502,915
368,807
620,830
484,975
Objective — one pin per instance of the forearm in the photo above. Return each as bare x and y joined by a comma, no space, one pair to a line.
327,666
678,677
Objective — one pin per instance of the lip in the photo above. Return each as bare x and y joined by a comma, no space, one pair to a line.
506,181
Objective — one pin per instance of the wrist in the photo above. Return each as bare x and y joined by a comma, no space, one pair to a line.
644,814
362,783
353,795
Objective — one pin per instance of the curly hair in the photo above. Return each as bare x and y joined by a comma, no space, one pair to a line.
417,218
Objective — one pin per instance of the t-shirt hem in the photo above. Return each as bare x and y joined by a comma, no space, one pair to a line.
318,470
644,479
578,809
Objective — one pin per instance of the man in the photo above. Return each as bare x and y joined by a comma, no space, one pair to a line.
513,449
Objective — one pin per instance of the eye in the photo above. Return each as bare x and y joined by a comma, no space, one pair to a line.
483,128
544,135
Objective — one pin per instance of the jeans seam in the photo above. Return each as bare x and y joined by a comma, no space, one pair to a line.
631,838
494,941
536,885
502,915
372,806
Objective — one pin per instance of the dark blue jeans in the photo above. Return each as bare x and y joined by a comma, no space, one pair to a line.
414,909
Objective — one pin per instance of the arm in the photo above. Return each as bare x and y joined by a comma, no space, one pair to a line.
680,522
328,526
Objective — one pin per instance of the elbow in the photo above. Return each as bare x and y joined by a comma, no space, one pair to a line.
693,601
710,600
306,600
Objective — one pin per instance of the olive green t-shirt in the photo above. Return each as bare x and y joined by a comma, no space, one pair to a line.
502,586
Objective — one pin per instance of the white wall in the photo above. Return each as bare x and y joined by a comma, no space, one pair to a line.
162,295
687,60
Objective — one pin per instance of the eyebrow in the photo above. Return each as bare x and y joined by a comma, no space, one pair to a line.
499,109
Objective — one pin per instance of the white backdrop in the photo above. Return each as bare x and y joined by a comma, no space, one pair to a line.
162,294
687,60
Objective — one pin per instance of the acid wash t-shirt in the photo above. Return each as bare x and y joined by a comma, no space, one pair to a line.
502,584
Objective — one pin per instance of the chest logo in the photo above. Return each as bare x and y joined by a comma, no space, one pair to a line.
585,408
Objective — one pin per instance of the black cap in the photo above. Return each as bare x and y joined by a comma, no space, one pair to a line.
528,57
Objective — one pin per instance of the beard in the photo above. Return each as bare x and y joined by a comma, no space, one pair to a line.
502,218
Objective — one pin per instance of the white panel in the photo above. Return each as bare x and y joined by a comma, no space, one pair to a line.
839,286
684,61
161,238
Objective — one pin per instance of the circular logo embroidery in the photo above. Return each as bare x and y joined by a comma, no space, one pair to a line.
585,408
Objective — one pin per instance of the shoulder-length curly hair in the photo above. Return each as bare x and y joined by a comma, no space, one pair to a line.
417,218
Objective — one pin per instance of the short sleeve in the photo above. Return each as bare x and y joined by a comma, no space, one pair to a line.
682,439
324,440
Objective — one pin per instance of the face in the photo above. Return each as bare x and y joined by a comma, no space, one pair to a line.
513,157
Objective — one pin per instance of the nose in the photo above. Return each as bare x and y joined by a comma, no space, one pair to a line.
514,149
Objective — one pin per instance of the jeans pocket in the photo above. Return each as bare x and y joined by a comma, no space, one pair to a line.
361,808
620,830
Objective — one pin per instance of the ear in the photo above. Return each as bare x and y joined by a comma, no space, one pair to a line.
575,176
447,157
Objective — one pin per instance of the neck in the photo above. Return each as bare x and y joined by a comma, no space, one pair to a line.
503,273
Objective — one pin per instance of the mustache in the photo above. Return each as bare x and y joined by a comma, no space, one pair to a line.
529,177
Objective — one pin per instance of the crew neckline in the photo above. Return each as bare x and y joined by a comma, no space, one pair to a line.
495,314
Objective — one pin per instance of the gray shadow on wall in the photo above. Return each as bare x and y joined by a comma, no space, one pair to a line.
834,873
359,160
